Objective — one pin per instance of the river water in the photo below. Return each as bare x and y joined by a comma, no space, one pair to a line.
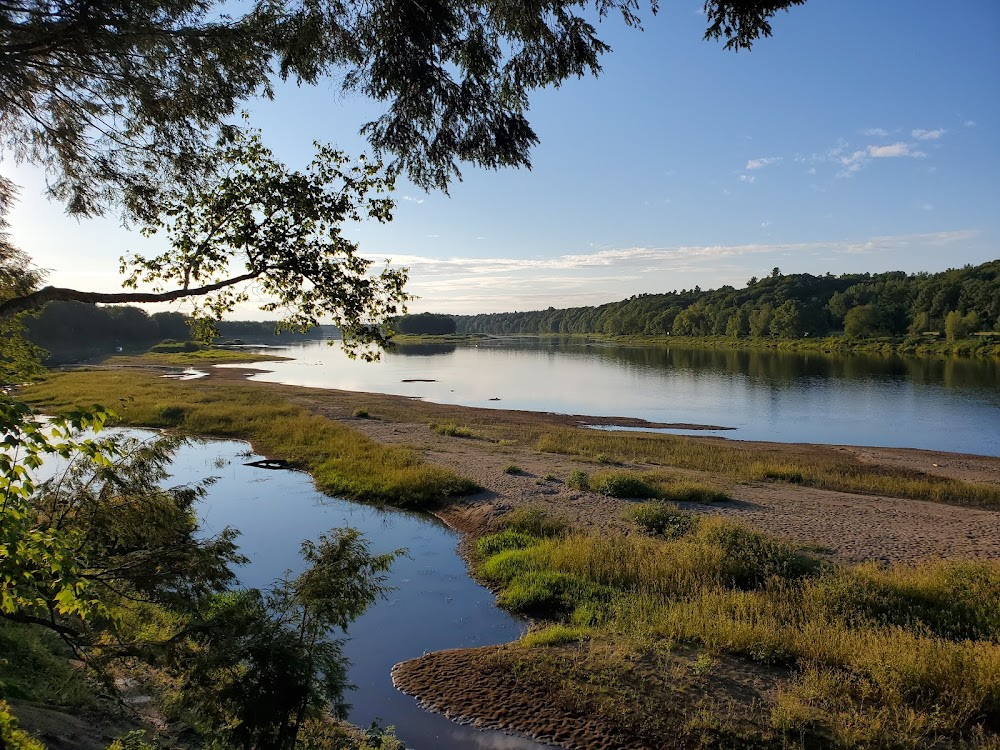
950,404
435,605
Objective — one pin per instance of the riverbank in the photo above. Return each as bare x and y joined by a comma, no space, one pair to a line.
911,346
816,500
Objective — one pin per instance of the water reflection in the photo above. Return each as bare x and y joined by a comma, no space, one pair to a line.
434,606
948,404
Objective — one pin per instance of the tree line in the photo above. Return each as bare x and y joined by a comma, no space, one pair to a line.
71,330
955,303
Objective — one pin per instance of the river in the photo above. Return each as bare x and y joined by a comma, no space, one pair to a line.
937,403
434,605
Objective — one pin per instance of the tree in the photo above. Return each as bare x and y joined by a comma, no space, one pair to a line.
958,326
282,229
863,321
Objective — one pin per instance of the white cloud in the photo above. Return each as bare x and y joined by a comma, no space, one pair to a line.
970,123
876,132
465,284
928,135
747,178
893,151
762,162
411,199
854,161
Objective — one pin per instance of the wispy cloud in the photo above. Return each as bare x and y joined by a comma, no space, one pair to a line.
856,160
928,135
762,162
876,132
748,178
412,199
466,284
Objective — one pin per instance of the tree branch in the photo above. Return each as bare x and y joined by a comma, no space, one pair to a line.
36,300
32,620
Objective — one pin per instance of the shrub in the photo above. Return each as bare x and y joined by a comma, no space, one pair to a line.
662,519
692,492
622,484
361,414
173,347
512,469
751,557
577,480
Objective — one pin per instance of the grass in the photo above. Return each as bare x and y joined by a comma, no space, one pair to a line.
205,356
452,430
906,656
342,461
826,470
512,469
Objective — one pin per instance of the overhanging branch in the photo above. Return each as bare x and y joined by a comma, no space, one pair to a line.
36,300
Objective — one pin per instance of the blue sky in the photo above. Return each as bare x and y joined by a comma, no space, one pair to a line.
863,136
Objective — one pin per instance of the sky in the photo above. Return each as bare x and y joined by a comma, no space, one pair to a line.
862,136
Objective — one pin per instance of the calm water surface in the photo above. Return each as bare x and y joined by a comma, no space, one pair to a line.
435,605
950,404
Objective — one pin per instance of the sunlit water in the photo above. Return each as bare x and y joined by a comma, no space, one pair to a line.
434,604
950,404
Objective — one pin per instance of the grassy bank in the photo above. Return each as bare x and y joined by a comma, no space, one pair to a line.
868,657
909,346
200,357
341,461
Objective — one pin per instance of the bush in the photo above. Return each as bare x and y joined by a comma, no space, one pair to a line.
361,414
512,469
623,484
751,557
662,519
577,480
168,346
692,492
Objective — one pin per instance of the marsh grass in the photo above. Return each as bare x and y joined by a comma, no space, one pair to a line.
829,470
903,656
653,485
452,430
342,461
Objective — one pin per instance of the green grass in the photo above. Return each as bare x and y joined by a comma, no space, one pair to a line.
513,469
906,656
452,430
823,469
342,461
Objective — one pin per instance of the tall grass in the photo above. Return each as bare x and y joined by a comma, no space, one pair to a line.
342,461
827,471
906,656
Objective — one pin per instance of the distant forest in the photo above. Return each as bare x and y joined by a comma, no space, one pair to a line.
955,303
74,330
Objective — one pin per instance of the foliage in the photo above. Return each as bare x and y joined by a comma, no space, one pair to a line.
424,324
13,738
781,306
283,229
622,484
257,665
662,519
